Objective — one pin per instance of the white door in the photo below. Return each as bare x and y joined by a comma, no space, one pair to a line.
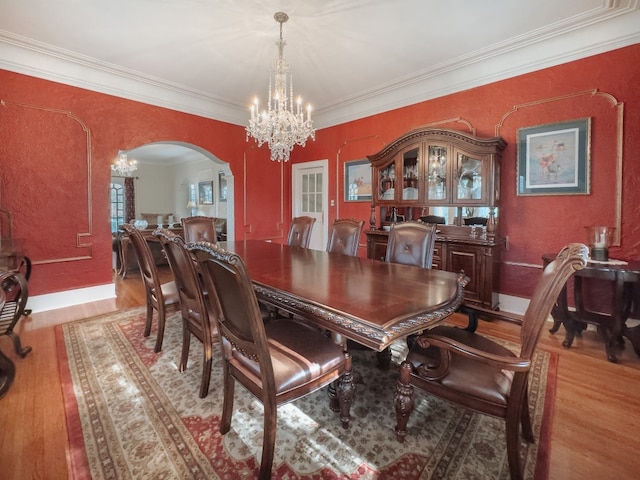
310,197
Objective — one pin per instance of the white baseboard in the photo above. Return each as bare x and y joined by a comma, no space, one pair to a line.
511,304
68,298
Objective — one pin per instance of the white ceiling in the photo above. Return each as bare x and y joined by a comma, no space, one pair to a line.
350,58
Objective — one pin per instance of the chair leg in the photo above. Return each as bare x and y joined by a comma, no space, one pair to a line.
206,369
227,404
186,342
269,439
404,401
160,335
525,419
513,442
147,325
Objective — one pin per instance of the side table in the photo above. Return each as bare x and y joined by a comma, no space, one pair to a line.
623,278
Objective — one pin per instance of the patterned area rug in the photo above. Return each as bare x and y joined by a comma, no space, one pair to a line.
131,414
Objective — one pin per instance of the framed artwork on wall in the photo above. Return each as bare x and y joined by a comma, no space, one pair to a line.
553,159
222,187
205,193
357,181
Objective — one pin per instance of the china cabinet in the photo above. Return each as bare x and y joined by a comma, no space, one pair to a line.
435,167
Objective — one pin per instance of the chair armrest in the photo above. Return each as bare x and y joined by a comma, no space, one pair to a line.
515,364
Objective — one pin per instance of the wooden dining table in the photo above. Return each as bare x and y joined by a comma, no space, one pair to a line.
367,301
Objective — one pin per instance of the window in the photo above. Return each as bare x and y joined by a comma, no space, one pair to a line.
117,206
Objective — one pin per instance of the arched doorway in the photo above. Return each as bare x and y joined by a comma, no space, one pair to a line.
167,173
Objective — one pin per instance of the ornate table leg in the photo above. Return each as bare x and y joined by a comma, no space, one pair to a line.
404,401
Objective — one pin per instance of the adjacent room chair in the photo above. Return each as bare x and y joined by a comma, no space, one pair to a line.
300,231
480,374
345,236
433,219
199,229
196,316
476,221
160,296
277,362
411,243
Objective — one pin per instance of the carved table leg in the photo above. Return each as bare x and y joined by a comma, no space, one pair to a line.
404,401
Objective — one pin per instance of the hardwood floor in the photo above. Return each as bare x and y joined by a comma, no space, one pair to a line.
596,420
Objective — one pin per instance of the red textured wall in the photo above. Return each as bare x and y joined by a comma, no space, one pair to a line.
599,87
36,146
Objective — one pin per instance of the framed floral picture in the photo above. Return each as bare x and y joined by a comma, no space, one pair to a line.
553,159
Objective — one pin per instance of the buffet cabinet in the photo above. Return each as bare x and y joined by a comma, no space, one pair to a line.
455,251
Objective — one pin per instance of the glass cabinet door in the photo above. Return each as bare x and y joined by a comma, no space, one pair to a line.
469,178
410,174
387,182
437,158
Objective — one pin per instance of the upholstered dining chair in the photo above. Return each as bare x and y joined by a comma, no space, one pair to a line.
199,229
277,362
300,231
411,243
160,296
480,374
196,316
345,236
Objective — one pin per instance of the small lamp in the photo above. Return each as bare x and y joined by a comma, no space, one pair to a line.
599,239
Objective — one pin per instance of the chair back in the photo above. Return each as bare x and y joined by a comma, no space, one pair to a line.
146,264
188,283
199,229
411,243
300,231
344,236
14,293
235,305
571,258
433,219
475,221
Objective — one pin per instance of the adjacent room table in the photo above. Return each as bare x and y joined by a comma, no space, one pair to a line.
367,301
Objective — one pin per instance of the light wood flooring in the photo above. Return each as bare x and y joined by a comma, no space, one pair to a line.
596,420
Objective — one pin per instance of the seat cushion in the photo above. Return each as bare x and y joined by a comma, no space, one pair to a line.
299,354
170,293
466,375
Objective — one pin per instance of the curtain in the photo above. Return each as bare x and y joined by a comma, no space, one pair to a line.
129,199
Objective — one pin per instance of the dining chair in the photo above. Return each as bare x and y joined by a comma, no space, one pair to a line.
159,296
433,219
480,374
196,316
277,362
199,229
300,231
345,236
411,243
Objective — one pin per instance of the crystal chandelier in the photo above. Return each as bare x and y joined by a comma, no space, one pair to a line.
280,126
123,166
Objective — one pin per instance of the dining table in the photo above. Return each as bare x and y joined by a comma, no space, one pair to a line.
367,301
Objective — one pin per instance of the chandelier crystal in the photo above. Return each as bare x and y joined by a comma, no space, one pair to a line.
123,166
281,126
